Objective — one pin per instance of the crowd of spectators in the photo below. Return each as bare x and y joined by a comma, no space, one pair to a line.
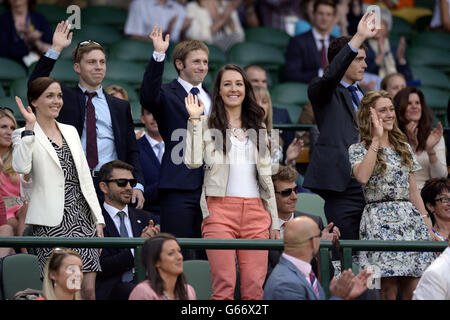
377,157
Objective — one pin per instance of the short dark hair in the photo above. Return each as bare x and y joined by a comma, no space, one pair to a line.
432,188
337,44
106,170
330,3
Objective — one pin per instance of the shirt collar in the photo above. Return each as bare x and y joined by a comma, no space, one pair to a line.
303,266
318,36
99,91
112,211
152,141
283,221
187,86
346,85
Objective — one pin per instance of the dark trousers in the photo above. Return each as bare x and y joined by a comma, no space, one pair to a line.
344,209
182,217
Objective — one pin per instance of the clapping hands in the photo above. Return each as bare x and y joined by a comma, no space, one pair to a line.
349,286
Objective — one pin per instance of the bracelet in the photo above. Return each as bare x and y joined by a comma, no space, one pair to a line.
190,118
27,133
373,149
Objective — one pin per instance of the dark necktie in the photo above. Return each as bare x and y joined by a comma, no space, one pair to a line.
323,55
355,97
195,93
91,132
128,275
313,279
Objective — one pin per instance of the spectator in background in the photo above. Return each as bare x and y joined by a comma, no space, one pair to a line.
115,281
294,149
384,58
293,277
104,123
441,16
435,282
436,197
275,13
393,83
306,54
24,33
304,24
12,185
151,151
63,200
247,14
258,77
163,262
414,119
62,275
384,163
238,200
117,91
215,22
144,14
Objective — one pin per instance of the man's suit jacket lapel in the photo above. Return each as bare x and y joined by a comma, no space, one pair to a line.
110,226
136,222
81,101
147,148
314,48
179,91
306,284
43,140
345,94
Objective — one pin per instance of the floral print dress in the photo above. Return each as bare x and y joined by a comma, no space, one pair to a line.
389,215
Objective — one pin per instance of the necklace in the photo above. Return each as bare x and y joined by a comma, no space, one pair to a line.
238,133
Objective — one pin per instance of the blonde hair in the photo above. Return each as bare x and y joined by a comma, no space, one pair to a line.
7,157
262,93
396,137
113,88
54,262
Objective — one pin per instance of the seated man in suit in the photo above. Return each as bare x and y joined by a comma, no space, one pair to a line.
115,282
258,77
306,54
293,278
104,123
151,150
286,197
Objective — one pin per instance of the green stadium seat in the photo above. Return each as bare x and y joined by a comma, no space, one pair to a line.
10,102
104,34
11,70
267,35
198,276
63,71
435,39
427,56
290,92
256,53
104,15
125,71
2,92
313,204
53,13
431,77
131,91
435,98
294,110
217,58
422,23
19,87
19,272
401,26
136,111
131,50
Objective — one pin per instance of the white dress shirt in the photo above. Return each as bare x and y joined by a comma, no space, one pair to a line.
154,144
113,213
317,39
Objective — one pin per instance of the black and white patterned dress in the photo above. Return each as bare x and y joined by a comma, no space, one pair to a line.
77,219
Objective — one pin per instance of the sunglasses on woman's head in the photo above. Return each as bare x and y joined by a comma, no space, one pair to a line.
287,192
123,182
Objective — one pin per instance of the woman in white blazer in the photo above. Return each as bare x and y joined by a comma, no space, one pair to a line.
63,200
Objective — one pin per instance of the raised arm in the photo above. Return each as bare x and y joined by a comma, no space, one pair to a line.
23,146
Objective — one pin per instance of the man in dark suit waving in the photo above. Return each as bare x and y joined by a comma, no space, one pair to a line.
179,187
335,99
103,122
115,282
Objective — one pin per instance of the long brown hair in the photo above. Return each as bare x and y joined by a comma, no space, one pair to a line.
396,137
252,114
401,101
150,255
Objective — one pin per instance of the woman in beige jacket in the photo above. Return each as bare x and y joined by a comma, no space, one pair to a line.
238,198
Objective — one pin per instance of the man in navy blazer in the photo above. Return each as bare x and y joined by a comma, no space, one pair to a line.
293,278
179,187
306,53
113,121
151,149
115,281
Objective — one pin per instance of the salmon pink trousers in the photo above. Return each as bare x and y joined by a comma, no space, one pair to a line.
237,218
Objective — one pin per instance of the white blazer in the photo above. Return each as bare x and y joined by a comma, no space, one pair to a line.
435,281
36,155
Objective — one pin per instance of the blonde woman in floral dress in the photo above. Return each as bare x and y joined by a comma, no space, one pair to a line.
383,162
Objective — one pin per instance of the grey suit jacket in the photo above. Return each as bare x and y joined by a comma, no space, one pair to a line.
329,168
287,283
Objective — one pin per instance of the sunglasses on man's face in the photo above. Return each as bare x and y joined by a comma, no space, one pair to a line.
123,182
83,44
287,192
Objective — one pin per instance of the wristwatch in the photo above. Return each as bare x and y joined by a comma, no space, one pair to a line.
27,133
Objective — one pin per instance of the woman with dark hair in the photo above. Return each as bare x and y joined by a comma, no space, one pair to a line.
238,198
163,262
436,197
24,33
414,119
63,200
383,162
